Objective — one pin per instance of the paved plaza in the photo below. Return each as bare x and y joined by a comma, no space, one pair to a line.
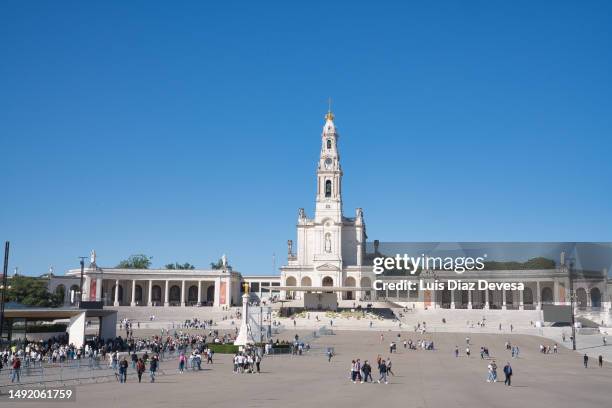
423,378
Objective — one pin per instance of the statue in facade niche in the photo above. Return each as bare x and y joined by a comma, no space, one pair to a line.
301,214
290,247
327,243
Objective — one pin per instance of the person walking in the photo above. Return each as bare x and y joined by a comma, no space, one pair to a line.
16,367
382,369
123,366
257,363
153,368
585,360
182,363
367,372
508,374
140,367
600,360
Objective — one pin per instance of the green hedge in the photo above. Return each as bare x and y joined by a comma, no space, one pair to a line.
223,348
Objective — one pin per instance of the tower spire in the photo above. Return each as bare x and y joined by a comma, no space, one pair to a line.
330,115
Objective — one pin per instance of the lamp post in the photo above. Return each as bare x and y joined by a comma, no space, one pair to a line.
4,287
82,258
572,297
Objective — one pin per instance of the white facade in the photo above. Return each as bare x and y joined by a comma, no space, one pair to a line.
330,247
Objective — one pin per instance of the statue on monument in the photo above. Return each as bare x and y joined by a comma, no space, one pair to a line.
224,261
290,247
92,257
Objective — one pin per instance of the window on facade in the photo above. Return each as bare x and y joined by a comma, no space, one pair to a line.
328,144
328,188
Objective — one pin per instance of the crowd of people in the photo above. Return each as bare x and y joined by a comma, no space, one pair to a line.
361,373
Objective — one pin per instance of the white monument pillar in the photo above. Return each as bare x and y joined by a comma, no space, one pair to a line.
98,289
166,289
217,292
521,300
133,300
228,291
244,335
199,293
150,297
183,293
486,299
452,293
538,296
503,299
469,306
116,303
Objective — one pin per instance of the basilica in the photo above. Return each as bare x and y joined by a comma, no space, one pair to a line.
331,265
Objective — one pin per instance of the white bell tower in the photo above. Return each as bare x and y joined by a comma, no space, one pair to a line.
329,174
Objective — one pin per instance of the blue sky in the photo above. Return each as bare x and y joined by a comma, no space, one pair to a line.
184,130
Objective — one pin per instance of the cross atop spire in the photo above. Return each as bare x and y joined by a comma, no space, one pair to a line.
330,115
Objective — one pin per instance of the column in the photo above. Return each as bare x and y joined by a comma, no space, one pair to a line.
521,304
228,291
98,289
133,300
166,290
503,299
556,292
217,292
538,294
486,299
199,293
116,303
469,306
150,296
452,305
183,292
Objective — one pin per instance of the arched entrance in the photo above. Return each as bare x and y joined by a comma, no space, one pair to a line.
60,293
527,298
138,295
210,294
547,295
175,295
581,298
446,299
192,295
156,294
350,281
327,281
595,298
366,283
509,299
290,281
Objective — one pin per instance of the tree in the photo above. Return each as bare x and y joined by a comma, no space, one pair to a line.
136,262
177,265
31,291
